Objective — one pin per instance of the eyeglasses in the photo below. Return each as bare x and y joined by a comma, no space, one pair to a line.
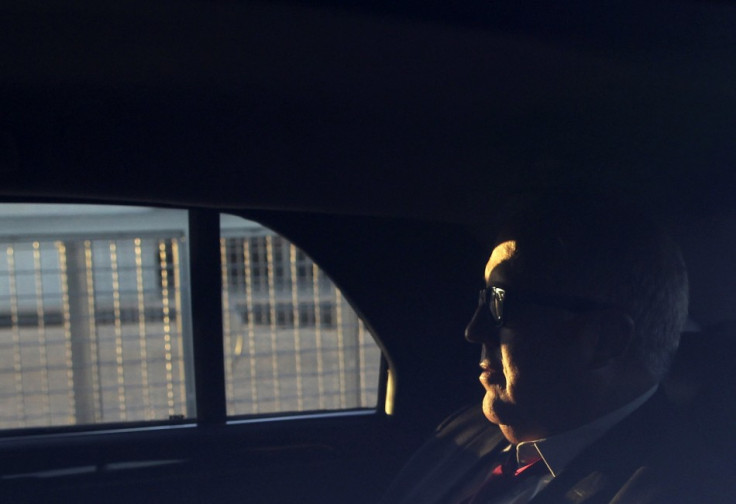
498,300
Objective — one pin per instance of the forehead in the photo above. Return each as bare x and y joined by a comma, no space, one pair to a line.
501,252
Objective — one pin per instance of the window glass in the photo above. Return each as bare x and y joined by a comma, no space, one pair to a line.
292,341
93,315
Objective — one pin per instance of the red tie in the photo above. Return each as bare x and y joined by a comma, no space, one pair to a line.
502,478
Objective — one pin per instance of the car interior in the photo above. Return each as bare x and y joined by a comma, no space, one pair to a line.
241,239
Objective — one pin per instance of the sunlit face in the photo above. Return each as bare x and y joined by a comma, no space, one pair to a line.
531,368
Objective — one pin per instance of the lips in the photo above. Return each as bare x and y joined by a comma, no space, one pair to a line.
490,376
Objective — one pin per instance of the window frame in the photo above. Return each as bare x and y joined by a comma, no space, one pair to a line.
205,284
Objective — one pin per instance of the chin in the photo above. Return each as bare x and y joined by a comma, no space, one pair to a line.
490,401
507,416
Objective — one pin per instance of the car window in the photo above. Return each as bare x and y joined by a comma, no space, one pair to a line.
92,315
96,321
292,341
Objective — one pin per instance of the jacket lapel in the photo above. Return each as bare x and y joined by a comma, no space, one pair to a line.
447,460
460,461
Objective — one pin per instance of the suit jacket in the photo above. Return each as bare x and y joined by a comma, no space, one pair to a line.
649,457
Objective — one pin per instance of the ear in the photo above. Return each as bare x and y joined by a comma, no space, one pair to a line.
609,334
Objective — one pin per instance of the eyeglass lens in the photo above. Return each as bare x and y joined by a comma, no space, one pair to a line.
496,304
493,298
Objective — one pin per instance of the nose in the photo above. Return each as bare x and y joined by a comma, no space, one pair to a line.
480,329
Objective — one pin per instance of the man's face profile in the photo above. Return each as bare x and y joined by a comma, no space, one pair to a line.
530,366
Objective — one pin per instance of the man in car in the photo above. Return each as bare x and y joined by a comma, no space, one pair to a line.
580,316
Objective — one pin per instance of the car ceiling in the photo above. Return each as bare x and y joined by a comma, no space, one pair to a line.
425,110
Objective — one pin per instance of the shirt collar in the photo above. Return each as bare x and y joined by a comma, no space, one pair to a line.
557,451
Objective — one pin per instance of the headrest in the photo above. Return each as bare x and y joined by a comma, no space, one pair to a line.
702,379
